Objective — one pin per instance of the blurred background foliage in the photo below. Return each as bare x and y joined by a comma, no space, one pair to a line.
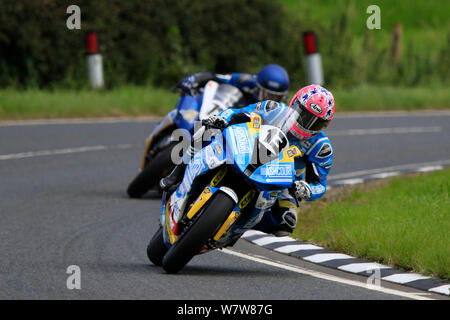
157,42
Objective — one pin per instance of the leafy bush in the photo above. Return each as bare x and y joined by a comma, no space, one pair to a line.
156,42
142,42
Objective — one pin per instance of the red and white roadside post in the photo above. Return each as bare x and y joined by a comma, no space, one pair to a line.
313,60
94,60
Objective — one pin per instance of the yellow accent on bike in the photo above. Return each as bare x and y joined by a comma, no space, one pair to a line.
291,153
172,237
254,125
218,177
246,199
148,141
226,225
198,204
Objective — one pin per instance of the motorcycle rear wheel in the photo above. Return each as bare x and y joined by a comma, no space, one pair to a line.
206,225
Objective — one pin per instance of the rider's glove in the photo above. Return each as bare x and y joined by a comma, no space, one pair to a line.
301,190
216,122
187,84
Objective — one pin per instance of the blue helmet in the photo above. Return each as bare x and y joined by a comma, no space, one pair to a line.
272,82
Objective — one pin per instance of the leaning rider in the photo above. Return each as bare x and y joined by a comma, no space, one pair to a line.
309,112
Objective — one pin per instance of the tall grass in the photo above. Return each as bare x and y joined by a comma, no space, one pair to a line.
353,54
405,223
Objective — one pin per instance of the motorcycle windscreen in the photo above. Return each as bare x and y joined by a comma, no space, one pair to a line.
218,97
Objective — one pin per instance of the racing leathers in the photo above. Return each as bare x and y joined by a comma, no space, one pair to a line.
311,168
243,81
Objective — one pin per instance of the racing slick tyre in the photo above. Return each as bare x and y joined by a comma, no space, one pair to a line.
156,168
189,244
156,248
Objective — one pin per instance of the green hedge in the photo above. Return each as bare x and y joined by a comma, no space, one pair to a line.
155,42
142,42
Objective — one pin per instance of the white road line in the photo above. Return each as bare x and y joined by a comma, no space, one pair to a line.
41,153
324,276
269,240
250,233
112,120
350,181
384,175
430,168
360,267
445,289
295,247
404,277
398,130
322,257
390,114
380,170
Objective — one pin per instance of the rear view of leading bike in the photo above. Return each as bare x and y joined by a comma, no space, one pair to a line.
226,189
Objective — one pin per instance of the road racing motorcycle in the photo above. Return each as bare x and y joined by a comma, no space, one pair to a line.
199,105
227,187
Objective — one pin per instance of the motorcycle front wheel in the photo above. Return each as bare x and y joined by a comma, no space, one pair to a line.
189,244
156,249
156,168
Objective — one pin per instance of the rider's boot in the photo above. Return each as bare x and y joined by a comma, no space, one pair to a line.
286,222
278,221
171,181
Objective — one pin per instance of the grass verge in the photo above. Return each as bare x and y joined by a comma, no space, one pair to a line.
403,222
123,101
139,101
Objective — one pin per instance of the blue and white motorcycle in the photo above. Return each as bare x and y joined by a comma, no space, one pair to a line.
200,104
226,189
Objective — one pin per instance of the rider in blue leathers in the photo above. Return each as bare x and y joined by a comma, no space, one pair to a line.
271,83
312,168
309,112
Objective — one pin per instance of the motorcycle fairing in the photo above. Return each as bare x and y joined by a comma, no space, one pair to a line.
188,108
214,99
213,156
210,157
240,142
168,121
168,220
279,172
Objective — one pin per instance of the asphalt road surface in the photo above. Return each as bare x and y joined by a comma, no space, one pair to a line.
63,203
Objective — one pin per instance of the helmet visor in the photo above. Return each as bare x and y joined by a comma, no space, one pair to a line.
305,119
266,94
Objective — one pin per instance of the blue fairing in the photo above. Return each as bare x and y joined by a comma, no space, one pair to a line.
274,175
239,146
235,148
277,175
188,108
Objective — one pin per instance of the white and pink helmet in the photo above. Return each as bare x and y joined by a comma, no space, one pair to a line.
310,111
